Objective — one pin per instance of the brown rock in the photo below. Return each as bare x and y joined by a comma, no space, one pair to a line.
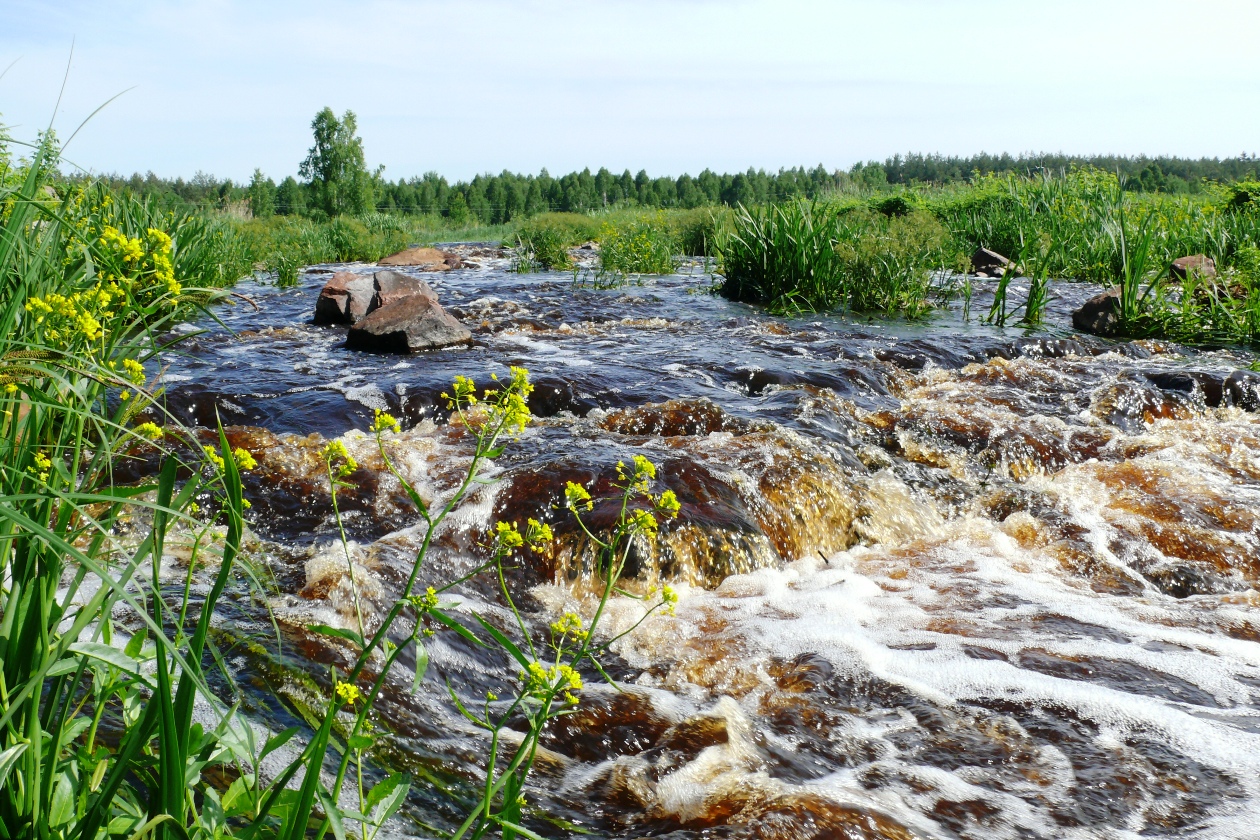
1197,264
414,323
394,286
345,298
429,259
986,263
1100,315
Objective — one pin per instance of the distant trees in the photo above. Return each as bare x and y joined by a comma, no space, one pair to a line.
337,181
261,195
335,169
290,197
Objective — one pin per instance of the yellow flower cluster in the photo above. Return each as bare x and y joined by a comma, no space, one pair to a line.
212,456
540,681
426,602
63,319
335,454
150,431
244,459
508,537
506,407
348,692
570,624
41,467
383,422
576,498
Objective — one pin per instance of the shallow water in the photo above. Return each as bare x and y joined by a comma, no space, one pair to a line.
937,579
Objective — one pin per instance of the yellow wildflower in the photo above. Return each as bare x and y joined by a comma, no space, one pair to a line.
152,431
507,536
134,371
212,455
244,460
576,497
384,422
348,692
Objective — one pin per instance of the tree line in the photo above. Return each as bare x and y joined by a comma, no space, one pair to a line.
334,180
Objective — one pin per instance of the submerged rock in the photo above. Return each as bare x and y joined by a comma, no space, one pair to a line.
1100,315
986,263
414,323
1240,388
1197,264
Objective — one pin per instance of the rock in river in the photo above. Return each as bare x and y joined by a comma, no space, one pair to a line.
1100,315
1199,264
414,323
425,259
345,298
986,263
349,297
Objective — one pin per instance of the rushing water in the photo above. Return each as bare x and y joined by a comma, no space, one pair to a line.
937,579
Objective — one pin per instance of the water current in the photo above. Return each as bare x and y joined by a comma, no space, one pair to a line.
936,579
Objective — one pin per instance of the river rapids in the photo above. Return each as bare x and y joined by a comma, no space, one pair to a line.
936,579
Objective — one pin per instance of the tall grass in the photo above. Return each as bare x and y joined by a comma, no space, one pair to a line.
886,254
83,751
809,257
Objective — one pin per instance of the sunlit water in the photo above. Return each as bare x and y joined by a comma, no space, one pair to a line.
937,579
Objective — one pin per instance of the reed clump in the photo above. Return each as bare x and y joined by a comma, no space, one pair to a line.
805,256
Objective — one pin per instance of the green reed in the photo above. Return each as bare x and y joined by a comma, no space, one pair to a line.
808,257
96,731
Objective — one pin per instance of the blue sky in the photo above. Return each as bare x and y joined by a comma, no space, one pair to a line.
483,85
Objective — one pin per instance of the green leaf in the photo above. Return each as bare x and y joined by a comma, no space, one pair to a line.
61,810
109,655
504,641
456,626
277,741
337,632
360,742
238,791
8,758
136,643
383,803
332,811
422,665
519,829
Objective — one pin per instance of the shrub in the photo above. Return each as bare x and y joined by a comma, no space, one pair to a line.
543,242
640,245
888,261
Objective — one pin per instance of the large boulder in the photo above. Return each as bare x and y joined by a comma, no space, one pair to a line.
345,298
1200,265
1100,315
394,286
412,324
425,259
986,263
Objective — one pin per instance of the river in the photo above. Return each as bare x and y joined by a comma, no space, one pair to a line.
936,579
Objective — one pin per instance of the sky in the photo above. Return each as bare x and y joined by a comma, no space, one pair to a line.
670,86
